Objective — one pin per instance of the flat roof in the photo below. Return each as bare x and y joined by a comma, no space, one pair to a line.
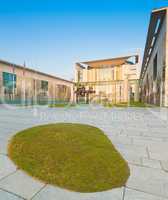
114,61
32,70
159,9
157,15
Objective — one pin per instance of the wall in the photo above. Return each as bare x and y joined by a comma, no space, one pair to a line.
58,89
112,83
153,91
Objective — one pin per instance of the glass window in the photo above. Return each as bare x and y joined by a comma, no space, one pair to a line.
80,76
113,74
155,68
9,81
44,85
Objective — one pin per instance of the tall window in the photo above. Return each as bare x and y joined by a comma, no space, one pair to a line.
9,82
44,85
113,74
118,73
155,67
80,76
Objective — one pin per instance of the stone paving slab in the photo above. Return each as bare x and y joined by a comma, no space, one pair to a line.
151,163
8,196
120,139
149,180
132,150
3,146
159,155
53,193
132,159
6,166
21,184
164,165
136,195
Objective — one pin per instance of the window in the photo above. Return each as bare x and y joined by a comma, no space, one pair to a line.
9,81
44,85
155,68
157,26
120,91
113,74
80,76
118,73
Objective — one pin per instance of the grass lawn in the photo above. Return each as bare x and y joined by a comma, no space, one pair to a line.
72,156
125,105
61,105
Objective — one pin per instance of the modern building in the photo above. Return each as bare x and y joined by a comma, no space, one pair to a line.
154,73
115,79
21,84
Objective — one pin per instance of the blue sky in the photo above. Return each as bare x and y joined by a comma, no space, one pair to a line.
51,35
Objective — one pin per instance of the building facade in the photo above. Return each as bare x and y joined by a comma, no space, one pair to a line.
114,80
20,84
154,72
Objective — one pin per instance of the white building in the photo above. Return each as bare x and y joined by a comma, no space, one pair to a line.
115,79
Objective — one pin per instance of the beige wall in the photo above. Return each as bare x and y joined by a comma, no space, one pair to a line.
31,81
111,82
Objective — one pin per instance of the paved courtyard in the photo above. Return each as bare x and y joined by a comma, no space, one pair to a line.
140,135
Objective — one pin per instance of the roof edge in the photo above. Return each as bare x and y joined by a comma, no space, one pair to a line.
159,9
33,70
108,59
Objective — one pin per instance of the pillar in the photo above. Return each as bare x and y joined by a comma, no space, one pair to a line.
166,63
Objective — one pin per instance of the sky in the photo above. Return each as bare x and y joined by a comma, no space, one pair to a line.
51,35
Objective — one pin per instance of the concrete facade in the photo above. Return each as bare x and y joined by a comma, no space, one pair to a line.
115,80
31,86
154,73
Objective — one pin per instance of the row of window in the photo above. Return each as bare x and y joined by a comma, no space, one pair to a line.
101,75
9,82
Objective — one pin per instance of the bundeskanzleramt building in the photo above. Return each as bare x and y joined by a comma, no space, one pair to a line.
115,79
154,73
19,83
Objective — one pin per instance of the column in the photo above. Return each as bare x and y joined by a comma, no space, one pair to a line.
136,98
72,99
166,63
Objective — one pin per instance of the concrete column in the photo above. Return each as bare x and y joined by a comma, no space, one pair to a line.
94,73
136,98
76,73
115,73
126,89
161,94
23,89
166,62
72,94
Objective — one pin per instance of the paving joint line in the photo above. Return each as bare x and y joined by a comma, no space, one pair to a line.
8,175
148,154
138,190
124,191
38,192
13,193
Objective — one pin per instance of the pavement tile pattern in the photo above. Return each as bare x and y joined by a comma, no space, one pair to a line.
139,134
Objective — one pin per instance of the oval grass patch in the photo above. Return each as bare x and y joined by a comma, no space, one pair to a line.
72,156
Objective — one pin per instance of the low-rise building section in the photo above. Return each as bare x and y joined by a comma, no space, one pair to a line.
21,84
